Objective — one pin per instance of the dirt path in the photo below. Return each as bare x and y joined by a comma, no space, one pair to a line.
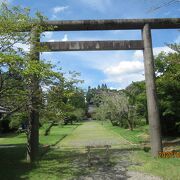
113,167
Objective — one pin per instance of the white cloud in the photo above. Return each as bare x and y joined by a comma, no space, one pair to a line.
124,80
109,63
124,72
157,50
118,67
51,40
59,9
138,54
65,38
125,67
45,88
115,88
99,5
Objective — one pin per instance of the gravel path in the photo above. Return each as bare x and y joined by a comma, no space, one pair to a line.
113,169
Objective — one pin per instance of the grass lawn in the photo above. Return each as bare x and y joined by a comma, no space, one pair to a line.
68,160
92,133
13,151
60,162
168,168
135,136
56,133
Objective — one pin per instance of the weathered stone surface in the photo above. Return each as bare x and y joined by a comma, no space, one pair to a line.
92,45
152,103
114,24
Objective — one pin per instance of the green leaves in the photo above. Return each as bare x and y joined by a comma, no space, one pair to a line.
19,69
168,87
12,20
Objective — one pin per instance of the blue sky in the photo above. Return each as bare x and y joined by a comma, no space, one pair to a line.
115,68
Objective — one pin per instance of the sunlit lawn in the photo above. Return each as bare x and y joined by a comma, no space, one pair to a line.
56,134
135,136
93,133
65,161
59,162
168,168
13,151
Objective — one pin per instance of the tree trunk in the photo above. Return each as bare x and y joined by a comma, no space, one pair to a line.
130,119
130,124
153,111
34,103
49,128
146,117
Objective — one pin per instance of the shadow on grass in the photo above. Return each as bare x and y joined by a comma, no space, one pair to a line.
56,163
12,161
9,135
72,164
13,164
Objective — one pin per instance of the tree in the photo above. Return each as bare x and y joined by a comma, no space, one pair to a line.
115,107
137,97
63,100
19,67
168,87
11,62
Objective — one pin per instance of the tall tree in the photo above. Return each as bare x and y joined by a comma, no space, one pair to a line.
168,87
17,64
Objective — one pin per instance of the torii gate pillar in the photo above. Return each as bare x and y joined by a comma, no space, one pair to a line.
152,104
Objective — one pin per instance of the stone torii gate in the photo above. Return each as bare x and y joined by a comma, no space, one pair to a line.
144,25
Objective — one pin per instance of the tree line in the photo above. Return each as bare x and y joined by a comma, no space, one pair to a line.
127,108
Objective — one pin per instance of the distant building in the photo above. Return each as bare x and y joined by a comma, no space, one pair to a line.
91,110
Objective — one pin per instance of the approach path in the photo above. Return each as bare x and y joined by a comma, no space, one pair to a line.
92,133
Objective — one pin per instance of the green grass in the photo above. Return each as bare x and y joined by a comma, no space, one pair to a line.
167,168
56,133
60,162
69,160
92,133
134,136
12,139
13,152
66,161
